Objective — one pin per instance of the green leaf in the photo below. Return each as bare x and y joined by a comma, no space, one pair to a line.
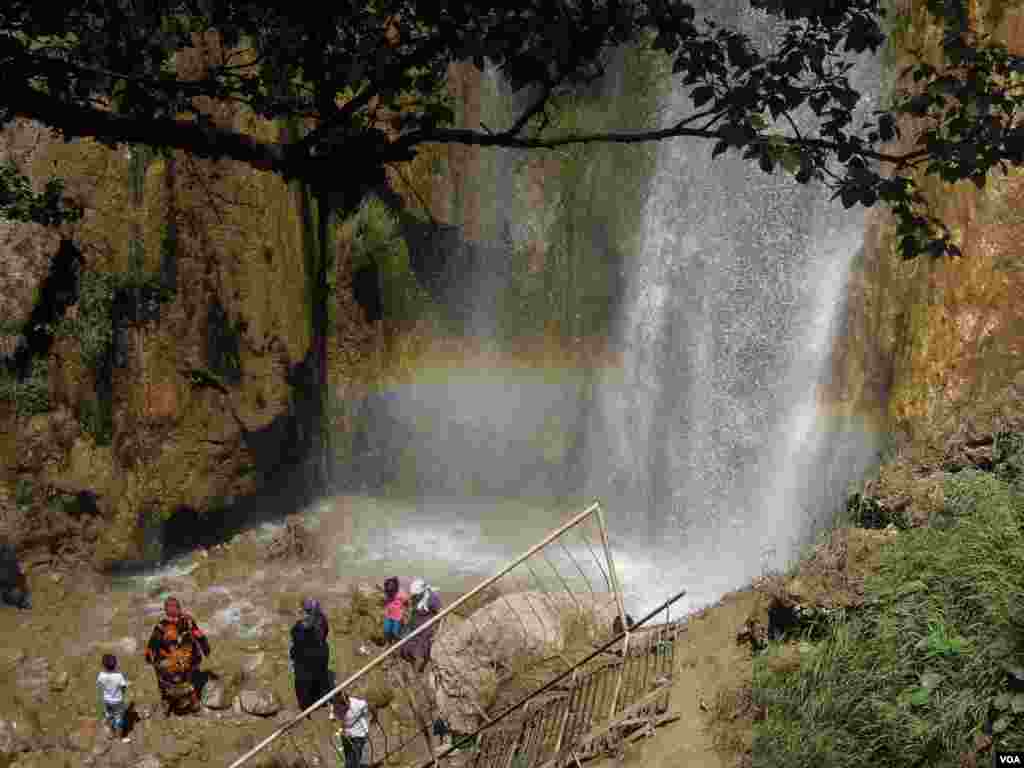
920,697
1001,724
790,160
1002,702
1017,704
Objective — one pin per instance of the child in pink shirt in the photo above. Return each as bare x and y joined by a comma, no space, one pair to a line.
394,610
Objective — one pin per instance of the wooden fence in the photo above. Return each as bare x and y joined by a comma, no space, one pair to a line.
582,720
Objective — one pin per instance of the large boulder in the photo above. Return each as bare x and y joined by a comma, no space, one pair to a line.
261,703
471,657
528,623
215,695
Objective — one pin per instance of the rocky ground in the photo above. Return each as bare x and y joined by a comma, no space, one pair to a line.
49,711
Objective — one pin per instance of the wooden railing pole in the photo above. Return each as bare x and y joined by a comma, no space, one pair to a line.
613,575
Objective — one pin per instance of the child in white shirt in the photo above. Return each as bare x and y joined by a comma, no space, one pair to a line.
112,685
350,739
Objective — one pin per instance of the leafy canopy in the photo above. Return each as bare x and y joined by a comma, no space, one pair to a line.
365,80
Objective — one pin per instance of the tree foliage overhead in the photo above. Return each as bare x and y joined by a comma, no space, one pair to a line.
106,69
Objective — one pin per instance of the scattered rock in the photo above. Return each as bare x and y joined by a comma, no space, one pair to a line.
60,681
143,711
33,677
252,661
261,703
126,646
105,614
148,761
11,657
214,695
797,591
101,748
754,634
15,737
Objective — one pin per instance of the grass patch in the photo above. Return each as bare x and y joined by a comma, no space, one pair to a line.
30,395
918,674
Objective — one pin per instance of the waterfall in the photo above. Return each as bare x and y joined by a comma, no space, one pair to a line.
707,443
710,442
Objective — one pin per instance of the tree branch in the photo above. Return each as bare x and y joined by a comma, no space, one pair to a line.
464,136
346,111
204,141
532,110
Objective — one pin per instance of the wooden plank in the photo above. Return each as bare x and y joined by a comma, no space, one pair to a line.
574,695
553,730
576,720
597,733
656,723
649,661
534,738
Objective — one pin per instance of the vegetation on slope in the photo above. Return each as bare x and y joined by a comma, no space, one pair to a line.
930,670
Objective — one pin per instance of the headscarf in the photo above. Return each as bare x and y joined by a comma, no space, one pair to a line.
311,607
420,587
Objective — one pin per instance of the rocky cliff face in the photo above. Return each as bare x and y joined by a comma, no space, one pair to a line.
168,379
933,348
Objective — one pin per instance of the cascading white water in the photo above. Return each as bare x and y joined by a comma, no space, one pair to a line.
712,438
707,444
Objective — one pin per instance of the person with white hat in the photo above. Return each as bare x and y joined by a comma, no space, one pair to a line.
425,605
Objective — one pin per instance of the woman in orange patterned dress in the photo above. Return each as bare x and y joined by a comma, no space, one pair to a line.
176,649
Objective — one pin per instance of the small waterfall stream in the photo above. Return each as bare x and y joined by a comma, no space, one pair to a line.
713,437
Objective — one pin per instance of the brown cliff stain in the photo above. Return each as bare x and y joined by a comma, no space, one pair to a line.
946,336
161,401
172,445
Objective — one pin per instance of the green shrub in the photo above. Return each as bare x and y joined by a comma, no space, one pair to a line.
93,323
1008,457
911,678
868,512
30,395
376,239
23,492
97,419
